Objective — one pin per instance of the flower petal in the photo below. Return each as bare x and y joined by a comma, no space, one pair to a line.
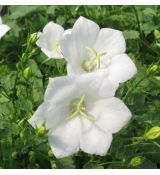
60,89
71,51
96,84
70,70
64,140
93,139
37,120
67,32
121,69
3,29
110,41
111,114
84,33
59,93
51,34
51,54
50,114
0,20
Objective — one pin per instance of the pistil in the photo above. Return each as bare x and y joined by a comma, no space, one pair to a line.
77,107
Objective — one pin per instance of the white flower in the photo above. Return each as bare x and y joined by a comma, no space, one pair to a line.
76,116
87,49
3,28
49,40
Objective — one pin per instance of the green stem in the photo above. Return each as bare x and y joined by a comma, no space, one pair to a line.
138,21
155,143
114,162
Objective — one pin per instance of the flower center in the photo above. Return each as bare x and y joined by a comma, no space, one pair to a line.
77,107
92,63
56,48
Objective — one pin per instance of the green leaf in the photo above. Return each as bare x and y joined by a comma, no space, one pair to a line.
131,34
21,11
90,165
67,162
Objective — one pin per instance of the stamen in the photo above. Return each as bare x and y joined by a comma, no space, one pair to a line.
72,115
92,50
89,64
56,48
81,103
86,116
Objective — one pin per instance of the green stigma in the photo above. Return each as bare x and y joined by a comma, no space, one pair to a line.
77,107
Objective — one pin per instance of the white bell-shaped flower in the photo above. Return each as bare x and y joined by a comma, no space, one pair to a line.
3,28
77,117
88,48
49,40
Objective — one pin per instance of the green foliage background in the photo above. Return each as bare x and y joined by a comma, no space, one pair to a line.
21,91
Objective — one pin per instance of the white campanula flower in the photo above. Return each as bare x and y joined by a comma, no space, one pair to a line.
49,40
77,117
3,28
88,48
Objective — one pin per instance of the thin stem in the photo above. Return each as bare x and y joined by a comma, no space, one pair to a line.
138,21
155,143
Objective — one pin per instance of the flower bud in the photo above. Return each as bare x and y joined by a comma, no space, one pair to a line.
153,69
32,38
31,156
136,161
53,164
27,73
50,154
157,34
22,134
14,155
41,131
153,133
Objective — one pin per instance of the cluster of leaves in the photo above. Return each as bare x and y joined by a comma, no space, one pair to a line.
24,73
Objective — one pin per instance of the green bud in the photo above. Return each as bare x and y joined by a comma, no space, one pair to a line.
37,166
157,34
50,154
22,134
136,161
31,156
31,153
19,66
24,57
153,69
153,133
14,155
41,131
53,164
27,73
32,38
